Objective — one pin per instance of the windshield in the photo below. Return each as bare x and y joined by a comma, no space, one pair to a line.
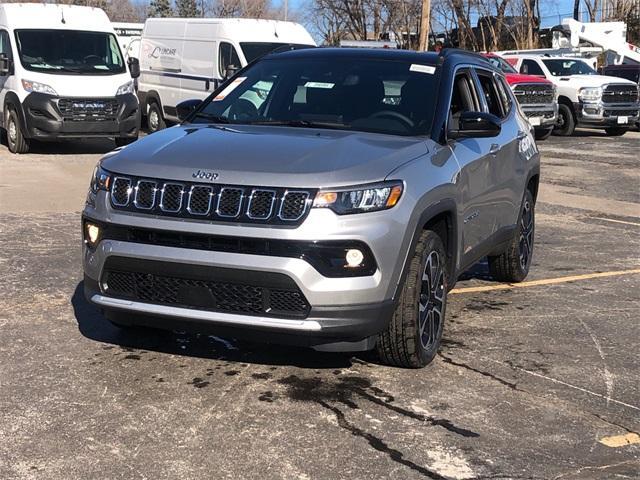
564,68
254,50
69,51
502,64
346,93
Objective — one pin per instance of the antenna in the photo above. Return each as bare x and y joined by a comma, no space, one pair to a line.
62,15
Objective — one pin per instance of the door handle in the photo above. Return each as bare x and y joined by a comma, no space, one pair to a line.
495,148
521,135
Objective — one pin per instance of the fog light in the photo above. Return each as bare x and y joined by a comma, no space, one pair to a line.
92,233
354,257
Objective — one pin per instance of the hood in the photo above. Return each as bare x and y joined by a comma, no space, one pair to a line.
88,86
516,78
266,156
592,80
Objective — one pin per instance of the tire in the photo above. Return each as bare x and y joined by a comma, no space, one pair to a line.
615,131
155,119
566,122
413,336
124,141
513,264
543,133
16,141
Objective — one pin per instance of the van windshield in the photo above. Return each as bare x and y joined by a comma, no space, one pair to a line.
69,52
254,50
346,93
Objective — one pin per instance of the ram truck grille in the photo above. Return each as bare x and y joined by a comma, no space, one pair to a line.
620,94
533,94
212,202
88,109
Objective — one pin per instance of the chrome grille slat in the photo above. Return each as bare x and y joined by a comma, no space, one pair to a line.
533,94
171,197
145,194
620,93
261,204
222,203
200,198
121,191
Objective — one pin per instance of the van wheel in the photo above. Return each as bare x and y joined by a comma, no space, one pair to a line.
155,120
413,336
513,264
124,141
615,131
566,123
543,133
16,141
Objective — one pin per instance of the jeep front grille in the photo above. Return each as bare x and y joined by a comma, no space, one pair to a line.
620,94
88,109
212,202
533,94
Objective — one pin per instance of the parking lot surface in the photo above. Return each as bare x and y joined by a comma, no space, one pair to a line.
540,381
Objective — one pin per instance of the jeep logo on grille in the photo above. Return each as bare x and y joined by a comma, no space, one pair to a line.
205,175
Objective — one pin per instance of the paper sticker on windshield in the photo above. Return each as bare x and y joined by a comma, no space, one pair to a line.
416,67
319,85
229,88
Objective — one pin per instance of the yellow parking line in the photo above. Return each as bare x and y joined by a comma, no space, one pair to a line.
617,221
620,440
547,281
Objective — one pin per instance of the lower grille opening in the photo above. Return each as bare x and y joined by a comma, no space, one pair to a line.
204,288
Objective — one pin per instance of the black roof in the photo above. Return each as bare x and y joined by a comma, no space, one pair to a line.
449,55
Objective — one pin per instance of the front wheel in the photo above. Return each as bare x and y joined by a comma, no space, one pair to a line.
413,336
155,120
16,140
543,133
615,131
512,265
566,122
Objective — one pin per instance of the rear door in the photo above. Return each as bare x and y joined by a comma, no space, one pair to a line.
475,158
505,171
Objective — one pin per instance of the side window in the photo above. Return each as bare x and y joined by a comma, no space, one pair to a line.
490,93
5,45
531,67
503,91
463,99
227,56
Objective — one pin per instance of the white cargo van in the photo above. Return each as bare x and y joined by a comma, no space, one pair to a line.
62,75
186,58
129,35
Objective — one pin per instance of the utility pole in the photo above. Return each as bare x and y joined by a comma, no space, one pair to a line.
423,42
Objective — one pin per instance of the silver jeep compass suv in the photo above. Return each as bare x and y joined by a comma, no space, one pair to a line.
322,197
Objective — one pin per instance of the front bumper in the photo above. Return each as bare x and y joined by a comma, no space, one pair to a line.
44,120
541,116
607,115
343,309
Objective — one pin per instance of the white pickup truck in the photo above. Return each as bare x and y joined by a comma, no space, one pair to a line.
584,97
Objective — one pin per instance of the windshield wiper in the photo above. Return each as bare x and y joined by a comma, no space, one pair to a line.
301,123
211,117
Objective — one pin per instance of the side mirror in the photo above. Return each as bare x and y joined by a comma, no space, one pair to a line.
231,71
134,67
5,65
186,108
476,125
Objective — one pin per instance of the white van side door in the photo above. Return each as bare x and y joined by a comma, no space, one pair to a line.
198,77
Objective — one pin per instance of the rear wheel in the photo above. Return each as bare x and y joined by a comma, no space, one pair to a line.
615,131
155,120
16,141
513,264
566,122
413,336
543,133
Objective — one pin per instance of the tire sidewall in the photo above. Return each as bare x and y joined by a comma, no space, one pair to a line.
12,118
153,107
527,197
568,126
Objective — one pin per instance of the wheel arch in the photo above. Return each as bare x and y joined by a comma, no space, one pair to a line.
11,99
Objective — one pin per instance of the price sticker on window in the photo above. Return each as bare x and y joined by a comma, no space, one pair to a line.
229,88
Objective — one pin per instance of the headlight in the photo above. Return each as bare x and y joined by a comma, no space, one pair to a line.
37,87
101,179
126,88
368,198
590,94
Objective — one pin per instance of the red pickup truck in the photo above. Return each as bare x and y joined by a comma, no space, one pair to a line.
536,96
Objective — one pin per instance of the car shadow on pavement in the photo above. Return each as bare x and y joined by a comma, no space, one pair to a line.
93,325
73,147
